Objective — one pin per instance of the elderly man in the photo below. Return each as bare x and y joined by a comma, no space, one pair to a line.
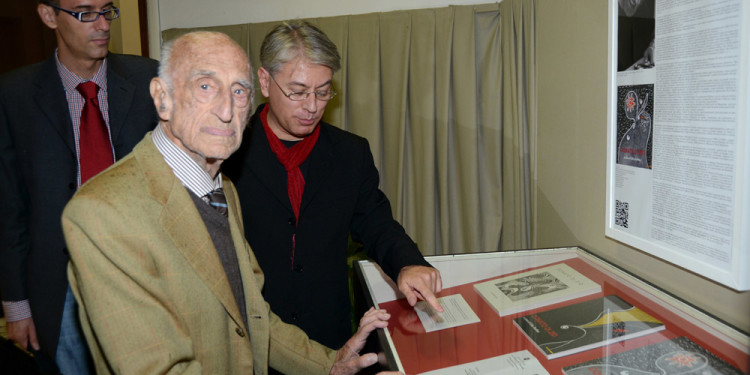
164,278
305,186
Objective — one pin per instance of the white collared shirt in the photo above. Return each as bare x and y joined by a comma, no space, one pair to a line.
192,176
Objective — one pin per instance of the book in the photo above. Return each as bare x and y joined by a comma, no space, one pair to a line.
532,289
586,325
676,356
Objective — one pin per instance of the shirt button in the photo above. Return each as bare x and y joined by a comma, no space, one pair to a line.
298,268
292,221
240,332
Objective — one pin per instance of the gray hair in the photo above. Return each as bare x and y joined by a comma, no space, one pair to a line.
165,64
294,39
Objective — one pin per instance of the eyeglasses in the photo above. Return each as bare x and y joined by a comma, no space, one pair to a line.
302,95
91,15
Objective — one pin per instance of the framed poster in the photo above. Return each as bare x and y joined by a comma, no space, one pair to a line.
678,164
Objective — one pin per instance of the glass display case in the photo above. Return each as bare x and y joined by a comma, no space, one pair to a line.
413,346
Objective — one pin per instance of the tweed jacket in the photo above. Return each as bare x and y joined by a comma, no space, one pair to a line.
153,295
38,167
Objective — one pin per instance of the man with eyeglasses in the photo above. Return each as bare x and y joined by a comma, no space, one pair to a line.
61,121
305,185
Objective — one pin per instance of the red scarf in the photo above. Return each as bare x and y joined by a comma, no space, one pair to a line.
291,158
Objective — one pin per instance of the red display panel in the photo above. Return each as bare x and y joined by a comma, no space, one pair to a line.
420,351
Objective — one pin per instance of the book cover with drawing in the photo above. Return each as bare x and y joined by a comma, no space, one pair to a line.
676,356
586,325
532,289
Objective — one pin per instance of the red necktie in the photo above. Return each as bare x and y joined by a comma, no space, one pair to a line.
95,149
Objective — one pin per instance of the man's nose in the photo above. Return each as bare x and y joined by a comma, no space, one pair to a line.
102,24
310,103
223,107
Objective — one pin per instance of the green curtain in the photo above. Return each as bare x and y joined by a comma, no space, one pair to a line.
425,88
520,124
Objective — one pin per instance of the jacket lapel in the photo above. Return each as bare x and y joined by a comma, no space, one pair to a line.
184,225
321,161
49,95
264,165
120,93
252,276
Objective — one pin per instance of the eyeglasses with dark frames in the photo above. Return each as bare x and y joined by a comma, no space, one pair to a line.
302,95
91,15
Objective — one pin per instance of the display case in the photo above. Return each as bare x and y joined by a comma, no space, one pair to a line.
412,346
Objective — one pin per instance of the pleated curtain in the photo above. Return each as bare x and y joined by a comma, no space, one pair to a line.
425,87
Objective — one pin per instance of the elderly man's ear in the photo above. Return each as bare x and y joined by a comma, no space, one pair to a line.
162,99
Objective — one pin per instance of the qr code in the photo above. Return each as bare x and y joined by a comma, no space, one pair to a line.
621,213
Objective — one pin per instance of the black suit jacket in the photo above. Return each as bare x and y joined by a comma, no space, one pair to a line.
38,172
341,196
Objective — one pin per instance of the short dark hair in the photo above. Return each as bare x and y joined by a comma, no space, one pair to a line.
50,2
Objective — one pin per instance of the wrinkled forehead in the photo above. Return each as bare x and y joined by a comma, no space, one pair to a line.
193,48
210,56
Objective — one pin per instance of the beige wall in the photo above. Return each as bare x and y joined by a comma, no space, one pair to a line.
125,32
168,14
572,59
196,13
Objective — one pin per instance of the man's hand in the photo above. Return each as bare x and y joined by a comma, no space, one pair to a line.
420,283
348,360
23,333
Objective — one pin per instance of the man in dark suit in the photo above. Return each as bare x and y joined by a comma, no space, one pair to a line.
41,144
306,185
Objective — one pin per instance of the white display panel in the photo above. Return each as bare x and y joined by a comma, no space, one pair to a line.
677,163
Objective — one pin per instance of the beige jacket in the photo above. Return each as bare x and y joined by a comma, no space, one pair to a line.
153,295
